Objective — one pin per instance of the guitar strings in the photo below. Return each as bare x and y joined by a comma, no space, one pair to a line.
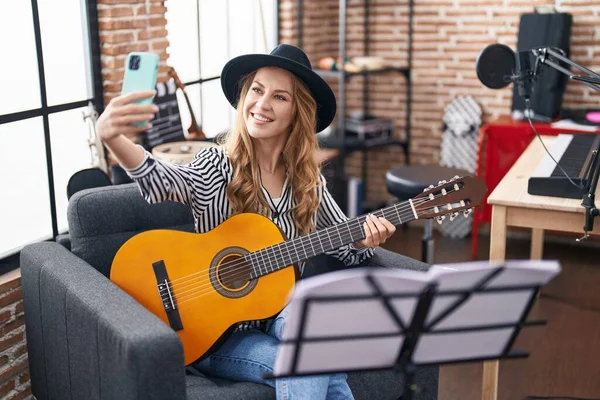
203,288
259,257
230,270
195,289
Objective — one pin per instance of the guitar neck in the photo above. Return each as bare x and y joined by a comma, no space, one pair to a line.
194,130
278,256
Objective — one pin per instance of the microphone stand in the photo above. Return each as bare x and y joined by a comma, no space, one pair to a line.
589,197
593,172
592,80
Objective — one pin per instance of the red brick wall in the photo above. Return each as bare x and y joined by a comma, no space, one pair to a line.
448,36
14,371
126,26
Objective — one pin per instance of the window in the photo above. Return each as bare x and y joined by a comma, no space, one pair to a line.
203,35
46,87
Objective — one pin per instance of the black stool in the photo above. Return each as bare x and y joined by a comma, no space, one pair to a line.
407,182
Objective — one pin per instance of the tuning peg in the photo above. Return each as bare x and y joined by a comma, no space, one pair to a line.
428,187
440,219
467,212
442,182
455,177
453,215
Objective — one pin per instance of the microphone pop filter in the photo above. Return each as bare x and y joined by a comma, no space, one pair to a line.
495,65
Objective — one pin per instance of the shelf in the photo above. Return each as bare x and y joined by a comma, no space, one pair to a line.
340,140
349,144
325,73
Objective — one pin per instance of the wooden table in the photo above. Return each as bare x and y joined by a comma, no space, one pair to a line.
513,206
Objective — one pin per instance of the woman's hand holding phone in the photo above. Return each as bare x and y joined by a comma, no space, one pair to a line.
115,126
128,115
122,112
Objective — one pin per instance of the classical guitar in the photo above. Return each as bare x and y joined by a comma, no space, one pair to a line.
194,131
203,285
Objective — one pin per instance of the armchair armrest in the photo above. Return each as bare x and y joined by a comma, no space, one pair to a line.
389,259
88,339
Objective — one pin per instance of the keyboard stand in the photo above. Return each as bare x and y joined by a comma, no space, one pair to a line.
592,80
575,152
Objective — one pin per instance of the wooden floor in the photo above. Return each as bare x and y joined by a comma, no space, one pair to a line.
565,354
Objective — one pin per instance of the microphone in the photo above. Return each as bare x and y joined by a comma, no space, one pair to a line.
525,74
497,66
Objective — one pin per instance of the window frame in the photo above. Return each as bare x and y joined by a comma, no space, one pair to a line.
10,261
202,80
44,111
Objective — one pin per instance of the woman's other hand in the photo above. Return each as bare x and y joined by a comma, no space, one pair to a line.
377,231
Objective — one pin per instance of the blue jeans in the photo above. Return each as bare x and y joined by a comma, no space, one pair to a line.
247,355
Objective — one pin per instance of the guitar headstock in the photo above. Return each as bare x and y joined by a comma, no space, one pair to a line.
458,194
175,77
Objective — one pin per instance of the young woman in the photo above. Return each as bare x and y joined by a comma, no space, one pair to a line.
266,165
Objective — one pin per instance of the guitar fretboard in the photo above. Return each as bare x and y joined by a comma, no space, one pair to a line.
275,257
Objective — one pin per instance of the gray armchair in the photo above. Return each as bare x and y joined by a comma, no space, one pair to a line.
87,339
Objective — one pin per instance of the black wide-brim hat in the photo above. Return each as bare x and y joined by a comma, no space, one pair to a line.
289,58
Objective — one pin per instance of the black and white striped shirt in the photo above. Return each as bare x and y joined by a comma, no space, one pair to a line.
202,184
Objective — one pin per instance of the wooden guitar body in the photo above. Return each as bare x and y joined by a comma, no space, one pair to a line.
209,281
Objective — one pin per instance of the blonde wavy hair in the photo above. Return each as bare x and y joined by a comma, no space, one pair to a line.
244,191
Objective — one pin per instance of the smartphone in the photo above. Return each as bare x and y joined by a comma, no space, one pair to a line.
141,70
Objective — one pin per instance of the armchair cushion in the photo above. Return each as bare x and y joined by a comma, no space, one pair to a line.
201,387
102,219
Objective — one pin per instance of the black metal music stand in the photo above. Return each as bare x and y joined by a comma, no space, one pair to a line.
453,319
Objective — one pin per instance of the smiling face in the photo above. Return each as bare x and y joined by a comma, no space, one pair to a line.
269,105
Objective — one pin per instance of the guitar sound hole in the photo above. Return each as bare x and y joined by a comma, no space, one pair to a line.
233,272
230,273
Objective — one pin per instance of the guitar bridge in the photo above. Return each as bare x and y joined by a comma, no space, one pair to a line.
167,296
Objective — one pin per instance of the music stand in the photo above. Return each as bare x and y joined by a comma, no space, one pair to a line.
377,318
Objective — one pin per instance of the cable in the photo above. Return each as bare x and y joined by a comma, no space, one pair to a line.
528,113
